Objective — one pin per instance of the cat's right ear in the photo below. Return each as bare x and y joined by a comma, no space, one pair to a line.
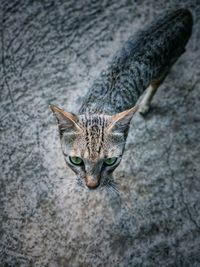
66,120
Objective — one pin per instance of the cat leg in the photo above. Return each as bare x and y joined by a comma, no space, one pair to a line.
145,104
147,98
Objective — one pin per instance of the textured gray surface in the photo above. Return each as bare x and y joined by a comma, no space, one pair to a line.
51,51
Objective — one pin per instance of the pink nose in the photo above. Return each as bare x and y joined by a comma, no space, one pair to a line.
91,183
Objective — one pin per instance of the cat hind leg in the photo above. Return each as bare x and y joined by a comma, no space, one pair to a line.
145,104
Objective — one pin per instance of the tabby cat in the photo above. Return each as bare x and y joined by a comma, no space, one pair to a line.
93,141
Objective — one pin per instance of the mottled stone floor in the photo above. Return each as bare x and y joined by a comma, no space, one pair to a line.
51,51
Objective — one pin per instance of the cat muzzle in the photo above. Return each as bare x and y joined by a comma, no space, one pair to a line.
91,182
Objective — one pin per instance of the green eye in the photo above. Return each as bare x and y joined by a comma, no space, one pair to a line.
110,161
76,160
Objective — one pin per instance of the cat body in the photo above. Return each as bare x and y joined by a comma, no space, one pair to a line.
145,57
93,141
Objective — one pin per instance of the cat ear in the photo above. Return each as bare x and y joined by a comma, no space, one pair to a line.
66,120
120,121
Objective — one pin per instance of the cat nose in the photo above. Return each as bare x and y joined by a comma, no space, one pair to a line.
91,182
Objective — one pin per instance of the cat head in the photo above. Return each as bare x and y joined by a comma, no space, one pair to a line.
93,144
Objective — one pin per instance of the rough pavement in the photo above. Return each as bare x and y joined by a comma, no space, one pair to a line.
51,51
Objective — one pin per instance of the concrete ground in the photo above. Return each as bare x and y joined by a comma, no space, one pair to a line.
51,51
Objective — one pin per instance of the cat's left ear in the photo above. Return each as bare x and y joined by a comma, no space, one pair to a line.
66,120
120,121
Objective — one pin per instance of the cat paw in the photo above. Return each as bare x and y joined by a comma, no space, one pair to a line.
143,109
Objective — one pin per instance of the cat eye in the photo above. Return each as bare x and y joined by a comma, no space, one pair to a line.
110,161
76,160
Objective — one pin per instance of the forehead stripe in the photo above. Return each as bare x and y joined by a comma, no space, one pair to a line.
94,127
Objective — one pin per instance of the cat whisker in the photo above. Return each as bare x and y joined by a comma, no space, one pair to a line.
113,191
114,188
111,186
110,189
